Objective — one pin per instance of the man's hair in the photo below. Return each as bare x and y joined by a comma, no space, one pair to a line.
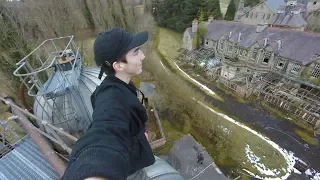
109,69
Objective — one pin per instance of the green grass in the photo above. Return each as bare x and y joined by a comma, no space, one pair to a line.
307,137
171,134
136,81
169,43
86,50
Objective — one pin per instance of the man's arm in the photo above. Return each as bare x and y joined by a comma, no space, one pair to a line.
103,152
95,178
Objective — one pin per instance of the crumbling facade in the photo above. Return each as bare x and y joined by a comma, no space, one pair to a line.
259,14
280,66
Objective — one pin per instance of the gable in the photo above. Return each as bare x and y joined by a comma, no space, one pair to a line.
295,45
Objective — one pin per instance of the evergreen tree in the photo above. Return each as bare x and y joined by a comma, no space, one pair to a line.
231,11
178,14
251,2
212,7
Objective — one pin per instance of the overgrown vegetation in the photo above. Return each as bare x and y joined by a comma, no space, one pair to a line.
178,14
307,137
292,119
224,140
25,24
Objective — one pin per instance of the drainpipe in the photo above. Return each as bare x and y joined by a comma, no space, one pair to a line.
54,160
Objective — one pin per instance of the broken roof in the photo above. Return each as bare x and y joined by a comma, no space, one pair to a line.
291,20
295,45
274,4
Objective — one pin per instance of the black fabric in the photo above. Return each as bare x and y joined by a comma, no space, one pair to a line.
114,145
109,46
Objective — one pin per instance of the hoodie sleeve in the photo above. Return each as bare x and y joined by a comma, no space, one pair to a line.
104,149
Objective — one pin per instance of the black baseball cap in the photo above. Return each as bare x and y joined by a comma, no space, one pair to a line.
110,45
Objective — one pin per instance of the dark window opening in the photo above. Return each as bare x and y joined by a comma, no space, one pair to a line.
268,16
266,60
315,2
238,69
248,70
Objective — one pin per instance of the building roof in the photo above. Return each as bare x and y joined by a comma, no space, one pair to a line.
291,20
305,2
244,9
295,45
26,162
147,89
274,4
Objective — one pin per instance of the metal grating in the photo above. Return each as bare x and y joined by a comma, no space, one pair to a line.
26,162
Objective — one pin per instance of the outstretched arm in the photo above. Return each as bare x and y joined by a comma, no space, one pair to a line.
103,152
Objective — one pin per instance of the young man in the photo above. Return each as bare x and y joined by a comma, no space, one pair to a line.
115,146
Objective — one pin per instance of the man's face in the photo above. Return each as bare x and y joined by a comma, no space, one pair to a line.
134,61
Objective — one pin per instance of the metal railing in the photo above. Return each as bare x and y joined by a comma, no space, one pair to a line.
51,74
38,135
57,132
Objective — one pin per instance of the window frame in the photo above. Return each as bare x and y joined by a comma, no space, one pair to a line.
316,71
280,61
296,68
268,16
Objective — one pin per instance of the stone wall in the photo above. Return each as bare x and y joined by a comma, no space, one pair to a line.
187,41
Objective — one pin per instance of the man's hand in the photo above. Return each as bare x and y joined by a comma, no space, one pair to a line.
95,178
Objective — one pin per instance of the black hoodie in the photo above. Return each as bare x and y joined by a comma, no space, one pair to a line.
114,145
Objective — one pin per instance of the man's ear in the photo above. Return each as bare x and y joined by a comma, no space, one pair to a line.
117,66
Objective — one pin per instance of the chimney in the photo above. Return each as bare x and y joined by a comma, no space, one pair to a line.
210,19
241,4
239,37
230,34
265,42
279,44
195,25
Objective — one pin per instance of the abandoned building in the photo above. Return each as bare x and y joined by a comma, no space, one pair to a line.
295,14
292,15
313,21
281,66
259,14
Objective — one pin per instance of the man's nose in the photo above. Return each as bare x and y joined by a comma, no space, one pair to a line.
142,56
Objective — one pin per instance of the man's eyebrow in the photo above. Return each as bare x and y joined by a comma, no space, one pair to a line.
136,49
